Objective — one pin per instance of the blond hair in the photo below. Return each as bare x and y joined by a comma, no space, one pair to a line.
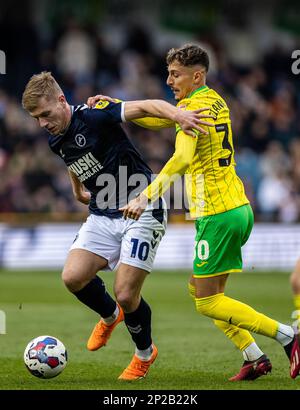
40,85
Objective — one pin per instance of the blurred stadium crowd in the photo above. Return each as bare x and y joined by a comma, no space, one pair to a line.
261,92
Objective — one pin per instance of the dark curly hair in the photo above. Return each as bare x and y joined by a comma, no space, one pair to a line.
187,55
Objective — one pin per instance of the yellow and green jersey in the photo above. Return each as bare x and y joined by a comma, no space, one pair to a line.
212,184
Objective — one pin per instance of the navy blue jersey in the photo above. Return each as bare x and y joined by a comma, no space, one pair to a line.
97,150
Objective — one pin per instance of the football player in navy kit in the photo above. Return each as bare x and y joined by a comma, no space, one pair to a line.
101,159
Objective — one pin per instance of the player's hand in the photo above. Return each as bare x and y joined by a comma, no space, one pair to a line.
135,207
92,101
190,121
83,197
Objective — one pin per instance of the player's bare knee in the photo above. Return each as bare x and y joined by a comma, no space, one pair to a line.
126,300
72,283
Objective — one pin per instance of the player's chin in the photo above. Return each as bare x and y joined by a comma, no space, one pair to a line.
53,131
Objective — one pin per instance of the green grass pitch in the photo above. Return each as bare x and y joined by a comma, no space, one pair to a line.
193,354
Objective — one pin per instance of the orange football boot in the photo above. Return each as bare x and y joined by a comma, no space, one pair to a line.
102,332
137,368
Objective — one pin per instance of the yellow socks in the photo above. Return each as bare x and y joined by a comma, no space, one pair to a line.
229,310
235,319
240,337
192,290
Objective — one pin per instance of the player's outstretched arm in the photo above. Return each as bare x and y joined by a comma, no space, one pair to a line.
151,123
189,121
78,189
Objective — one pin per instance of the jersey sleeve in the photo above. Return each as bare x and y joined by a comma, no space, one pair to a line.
153,123
185,148
105,113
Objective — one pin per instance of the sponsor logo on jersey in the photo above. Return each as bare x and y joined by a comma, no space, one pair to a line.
101,104
80,140
86,166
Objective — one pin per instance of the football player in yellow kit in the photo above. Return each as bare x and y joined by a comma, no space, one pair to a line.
223,215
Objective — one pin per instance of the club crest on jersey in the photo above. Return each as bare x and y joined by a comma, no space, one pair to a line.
101,104
80,140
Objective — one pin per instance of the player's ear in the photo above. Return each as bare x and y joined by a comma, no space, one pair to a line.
198,76
62,99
